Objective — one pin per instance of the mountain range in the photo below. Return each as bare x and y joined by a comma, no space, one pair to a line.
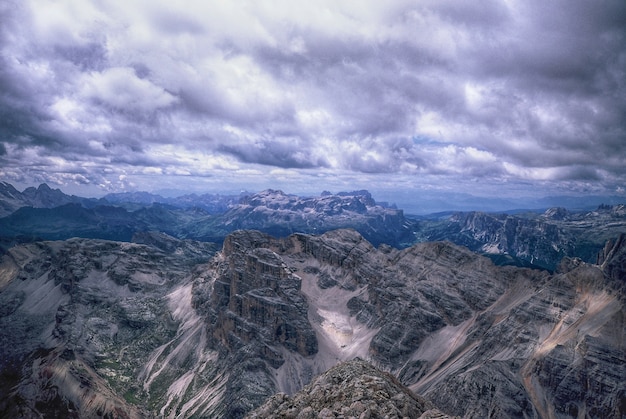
167,328
277,305
271,211
531,239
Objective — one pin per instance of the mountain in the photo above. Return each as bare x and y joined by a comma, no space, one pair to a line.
429,202
273,212
280,214
521,238
10,199
530,239
354,389
45,197
70,220
169,328
211,203
41,197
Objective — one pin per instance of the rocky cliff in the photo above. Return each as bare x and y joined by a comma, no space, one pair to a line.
539,240
280,214
172,329
352,389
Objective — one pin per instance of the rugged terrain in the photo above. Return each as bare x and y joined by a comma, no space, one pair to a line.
46,214
170,328
530,239
353,389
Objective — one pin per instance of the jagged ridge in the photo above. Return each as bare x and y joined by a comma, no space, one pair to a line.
144,329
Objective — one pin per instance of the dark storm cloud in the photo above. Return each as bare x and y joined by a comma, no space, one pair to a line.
519,90
285,153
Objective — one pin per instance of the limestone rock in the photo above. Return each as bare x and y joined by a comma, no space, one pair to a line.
352,389
529,239
171,329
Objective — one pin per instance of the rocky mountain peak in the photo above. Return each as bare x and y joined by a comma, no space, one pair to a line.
263,300
351,389
556,213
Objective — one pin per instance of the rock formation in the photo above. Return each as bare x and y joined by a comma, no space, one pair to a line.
171,328
280,214
352,389
539,240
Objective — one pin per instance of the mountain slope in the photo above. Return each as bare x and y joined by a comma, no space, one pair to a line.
350,389
273,212
540,240
170,328
80,319
476,339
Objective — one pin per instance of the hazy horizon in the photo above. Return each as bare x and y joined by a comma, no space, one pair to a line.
424,203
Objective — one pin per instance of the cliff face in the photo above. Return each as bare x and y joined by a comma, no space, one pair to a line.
539,240
171,328
477,339
80,319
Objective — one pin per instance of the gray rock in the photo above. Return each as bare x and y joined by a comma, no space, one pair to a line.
353,389
171,329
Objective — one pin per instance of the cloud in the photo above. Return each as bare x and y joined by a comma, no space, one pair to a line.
119,88
515,91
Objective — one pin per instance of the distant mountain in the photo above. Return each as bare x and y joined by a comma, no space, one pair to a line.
280,214
102,222
41,197
270,211
10,199
211,203
427,202
530,239
142,198
71,220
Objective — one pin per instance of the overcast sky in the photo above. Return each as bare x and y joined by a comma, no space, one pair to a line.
504,98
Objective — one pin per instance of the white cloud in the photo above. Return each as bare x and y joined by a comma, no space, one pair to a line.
121,89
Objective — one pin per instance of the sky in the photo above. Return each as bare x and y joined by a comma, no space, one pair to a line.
491,98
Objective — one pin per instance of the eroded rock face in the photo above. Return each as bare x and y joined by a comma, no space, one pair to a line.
256,314
539,240
351,389
81,319
98,327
